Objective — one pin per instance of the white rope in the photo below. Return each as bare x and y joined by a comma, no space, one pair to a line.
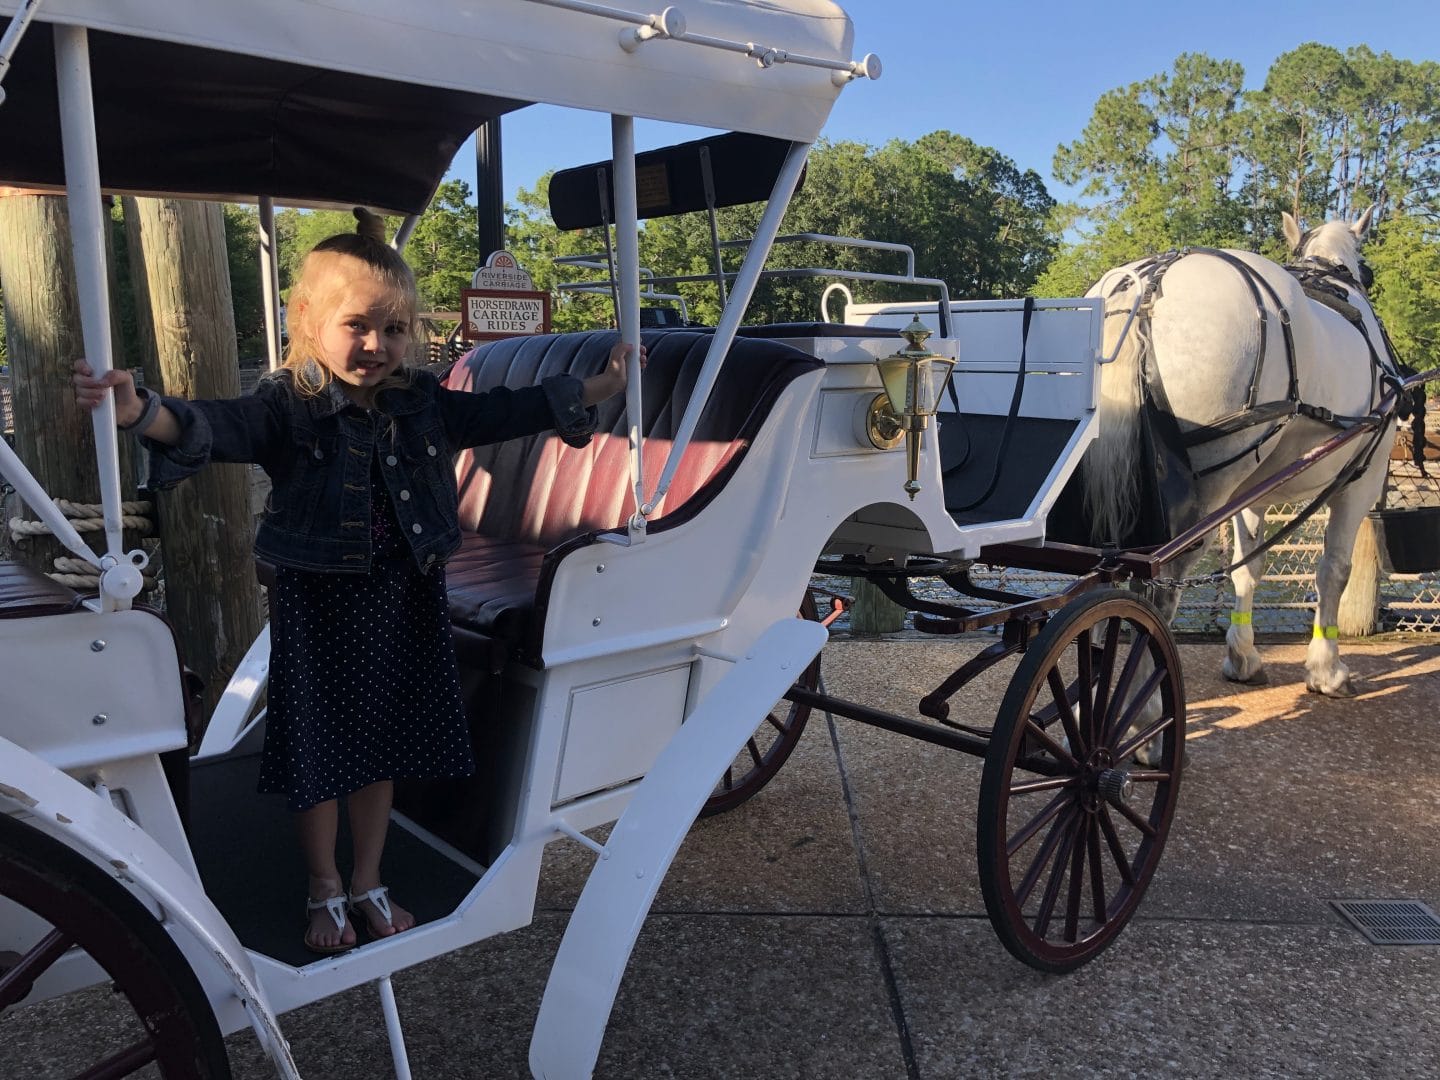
78,574
87,517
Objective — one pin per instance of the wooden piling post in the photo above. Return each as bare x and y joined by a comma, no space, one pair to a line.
187,326
871,611
53,435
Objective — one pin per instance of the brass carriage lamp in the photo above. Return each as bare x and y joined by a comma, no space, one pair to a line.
913,379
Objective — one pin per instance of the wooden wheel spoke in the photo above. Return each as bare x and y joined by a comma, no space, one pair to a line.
1117,851
124,1063
1136,741
1107,671
1077,882
1043,737
1035,824
1136,820
1139,649
1057,876
1100,910
16,981
770,744
1127,719
1048,783
1085,690
1042,857
1150,776
1061,694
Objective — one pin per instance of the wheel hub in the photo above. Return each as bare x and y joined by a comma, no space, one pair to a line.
1101,781
1115,786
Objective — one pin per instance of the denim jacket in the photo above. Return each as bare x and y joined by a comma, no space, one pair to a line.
318,452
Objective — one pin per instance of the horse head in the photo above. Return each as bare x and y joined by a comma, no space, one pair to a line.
1336,244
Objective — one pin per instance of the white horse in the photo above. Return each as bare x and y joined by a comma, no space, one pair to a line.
1250,399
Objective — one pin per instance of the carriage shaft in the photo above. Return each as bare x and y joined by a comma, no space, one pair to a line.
965,742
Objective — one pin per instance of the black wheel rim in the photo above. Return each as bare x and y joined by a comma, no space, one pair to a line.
1071,828
86,909
770,745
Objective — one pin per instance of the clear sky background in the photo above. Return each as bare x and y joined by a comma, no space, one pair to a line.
1021,76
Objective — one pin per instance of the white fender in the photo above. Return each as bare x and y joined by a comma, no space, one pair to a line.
231,719
607,919
72,813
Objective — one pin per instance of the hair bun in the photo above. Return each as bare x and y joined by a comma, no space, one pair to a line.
371,226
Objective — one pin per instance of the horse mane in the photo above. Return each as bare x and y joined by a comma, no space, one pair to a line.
1335,243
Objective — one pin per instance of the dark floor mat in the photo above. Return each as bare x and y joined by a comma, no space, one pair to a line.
250,862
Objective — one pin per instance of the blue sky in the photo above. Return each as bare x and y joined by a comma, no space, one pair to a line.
1022,76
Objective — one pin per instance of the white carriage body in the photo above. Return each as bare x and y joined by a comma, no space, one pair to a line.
651,674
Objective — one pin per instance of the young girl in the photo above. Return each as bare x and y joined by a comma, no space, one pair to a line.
363,687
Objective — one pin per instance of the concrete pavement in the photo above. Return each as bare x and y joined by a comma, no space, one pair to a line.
833,926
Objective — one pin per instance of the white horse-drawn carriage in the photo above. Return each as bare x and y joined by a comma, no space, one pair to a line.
625,615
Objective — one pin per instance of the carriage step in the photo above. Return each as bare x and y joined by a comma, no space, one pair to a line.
1392,922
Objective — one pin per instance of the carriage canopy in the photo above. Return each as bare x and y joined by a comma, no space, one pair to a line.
332,102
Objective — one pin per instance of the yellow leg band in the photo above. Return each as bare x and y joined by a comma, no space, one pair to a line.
1331,632
1241,618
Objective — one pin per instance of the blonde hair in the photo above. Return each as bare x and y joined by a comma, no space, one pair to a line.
325,275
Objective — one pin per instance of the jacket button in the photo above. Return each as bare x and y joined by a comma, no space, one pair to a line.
405,496
319,454
390,459
431,451
416,528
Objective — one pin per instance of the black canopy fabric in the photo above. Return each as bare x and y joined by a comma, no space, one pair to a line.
671,180
186,121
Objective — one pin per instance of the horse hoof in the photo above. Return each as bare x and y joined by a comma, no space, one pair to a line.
1343,689
1258,677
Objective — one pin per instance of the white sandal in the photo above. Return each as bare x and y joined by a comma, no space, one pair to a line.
379,897
337,907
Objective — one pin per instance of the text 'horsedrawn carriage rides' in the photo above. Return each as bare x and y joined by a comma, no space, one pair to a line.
625,616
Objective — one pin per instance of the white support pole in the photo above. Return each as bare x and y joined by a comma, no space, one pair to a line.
270,280
627,276
406,230
740,294
399,1057
13,33
87,229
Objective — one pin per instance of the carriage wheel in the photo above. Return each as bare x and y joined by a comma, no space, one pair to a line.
174,1028
766,750
1070,827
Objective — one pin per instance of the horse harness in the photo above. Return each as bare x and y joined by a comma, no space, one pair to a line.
1318,280
1316,277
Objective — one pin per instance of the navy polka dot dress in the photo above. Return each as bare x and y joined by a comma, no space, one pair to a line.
363,681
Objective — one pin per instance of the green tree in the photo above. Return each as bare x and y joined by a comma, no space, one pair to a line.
972,217
444,249
1158,163
1406,261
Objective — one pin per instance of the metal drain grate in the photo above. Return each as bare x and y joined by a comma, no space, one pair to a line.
1392,922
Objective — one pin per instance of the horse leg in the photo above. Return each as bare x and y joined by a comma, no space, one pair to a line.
1242,660
1166,599
1325,673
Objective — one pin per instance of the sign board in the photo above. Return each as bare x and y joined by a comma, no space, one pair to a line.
503,303
492,314
502,271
